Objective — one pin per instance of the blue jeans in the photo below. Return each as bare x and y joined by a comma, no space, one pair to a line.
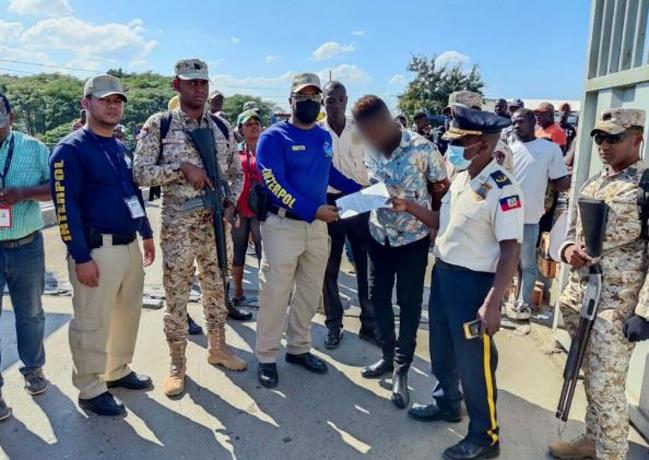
23,270
527,263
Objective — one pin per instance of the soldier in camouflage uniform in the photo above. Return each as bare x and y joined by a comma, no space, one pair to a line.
502,153
625,290
188,236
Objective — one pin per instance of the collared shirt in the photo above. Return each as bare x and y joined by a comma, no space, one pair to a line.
28,168
91,178
624,259
348,155
177,147
476,215
407,173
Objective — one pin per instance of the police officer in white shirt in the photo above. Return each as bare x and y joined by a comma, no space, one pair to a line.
476,254
348,159
536,161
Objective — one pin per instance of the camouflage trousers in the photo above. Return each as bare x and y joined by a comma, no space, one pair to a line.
605,368
187,238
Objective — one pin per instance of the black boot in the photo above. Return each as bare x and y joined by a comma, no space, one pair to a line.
192,327
237,314
104,404
400,394
378,369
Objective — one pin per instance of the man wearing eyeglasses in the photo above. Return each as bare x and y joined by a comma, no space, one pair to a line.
537,162
624,301
294,158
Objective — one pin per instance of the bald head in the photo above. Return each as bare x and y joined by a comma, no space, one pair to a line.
335,101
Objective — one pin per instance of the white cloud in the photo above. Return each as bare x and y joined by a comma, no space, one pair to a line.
358,33
270,58
10,32
330,50
397,79
235,40
41,7
451,58
346,73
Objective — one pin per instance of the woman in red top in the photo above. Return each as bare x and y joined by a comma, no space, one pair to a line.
249,125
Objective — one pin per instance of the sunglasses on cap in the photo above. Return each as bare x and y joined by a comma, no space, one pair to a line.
601,137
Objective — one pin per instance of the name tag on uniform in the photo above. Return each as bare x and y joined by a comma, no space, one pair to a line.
5,217
134,207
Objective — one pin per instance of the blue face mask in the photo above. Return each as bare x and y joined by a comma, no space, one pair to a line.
455,156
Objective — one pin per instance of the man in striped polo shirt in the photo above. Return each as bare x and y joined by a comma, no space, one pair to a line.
24,180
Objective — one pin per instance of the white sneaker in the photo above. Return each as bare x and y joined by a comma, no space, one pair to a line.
519,311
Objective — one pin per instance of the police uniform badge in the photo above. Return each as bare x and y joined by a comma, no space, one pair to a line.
480,193
328,150
500,178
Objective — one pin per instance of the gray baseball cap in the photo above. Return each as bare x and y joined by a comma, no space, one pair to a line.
304,80
191,69
102,86
5,109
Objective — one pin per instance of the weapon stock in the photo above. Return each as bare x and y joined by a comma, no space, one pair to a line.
593,215
213,199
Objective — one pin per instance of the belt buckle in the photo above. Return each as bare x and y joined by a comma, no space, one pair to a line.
106,240
281,212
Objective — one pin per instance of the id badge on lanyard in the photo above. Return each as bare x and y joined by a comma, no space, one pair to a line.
134,207
5,211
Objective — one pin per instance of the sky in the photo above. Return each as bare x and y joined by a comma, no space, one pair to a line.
529,49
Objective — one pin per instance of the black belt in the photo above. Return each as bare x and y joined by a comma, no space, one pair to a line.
282,212
454,268
13,244
96,240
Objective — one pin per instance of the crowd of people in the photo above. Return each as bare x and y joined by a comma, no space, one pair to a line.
473,190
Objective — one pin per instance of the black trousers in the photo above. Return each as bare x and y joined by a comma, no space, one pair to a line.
456,294
407,266
356,230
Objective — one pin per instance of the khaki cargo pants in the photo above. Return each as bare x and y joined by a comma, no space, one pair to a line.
106,318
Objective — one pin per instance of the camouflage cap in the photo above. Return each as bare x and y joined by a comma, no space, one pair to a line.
246,116
466,98
250,105
616,121
304,80
5,110
103,86
191,69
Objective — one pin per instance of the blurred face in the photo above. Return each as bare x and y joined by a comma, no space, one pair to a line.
216,103
523,125
544,117
618,149
193,93
501,108
251,130
335,102
421,123
106,111
380,132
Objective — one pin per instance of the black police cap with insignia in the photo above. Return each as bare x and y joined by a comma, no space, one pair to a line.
466,121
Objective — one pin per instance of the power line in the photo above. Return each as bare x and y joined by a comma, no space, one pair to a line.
48,65
17,71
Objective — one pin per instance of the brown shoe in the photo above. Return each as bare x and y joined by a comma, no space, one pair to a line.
174,384
219,353
582,447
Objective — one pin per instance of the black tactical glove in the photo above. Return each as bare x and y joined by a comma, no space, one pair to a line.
636,329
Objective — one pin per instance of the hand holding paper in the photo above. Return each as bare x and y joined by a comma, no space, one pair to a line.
368,199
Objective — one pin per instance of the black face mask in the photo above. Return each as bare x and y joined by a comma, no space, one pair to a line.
307,111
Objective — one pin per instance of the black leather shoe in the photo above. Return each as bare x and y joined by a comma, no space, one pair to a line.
431,412
132,381
104,404
466,450
237,314
334,336
308,361
192,327
268,375
400,393
369,335
378,369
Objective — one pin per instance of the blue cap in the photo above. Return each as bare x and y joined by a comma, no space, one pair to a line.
466,121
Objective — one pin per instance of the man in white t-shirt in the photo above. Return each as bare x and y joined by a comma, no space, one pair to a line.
536,161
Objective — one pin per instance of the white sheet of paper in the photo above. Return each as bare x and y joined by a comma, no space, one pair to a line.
366,200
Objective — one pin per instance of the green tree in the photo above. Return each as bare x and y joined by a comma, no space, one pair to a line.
432,84
233,106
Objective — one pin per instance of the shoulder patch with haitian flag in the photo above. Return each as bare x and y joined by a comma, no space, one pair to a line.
500,178
510,202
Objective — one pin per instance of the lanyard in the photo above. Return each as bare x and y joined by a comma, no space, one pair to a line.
5,170
118,172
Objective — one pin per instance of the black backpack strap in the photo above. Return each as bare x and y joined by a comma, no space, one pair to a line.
222,127
643,203
165,124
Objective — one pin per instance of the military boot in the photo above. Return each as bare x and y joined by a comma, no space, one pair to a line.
220,353
582,447
174,384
